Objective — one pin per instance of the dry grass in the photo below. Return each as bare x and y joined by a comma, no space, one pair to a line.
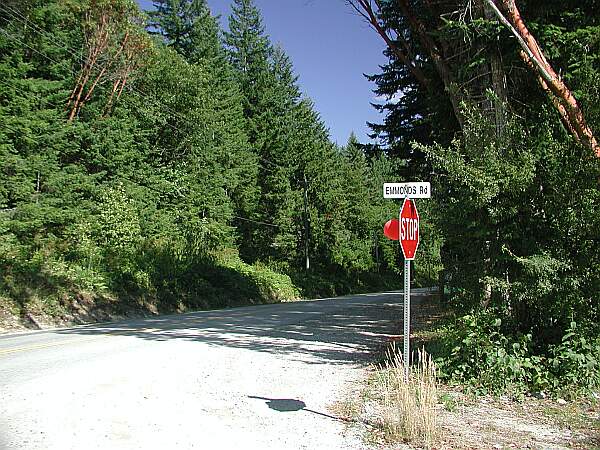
409,406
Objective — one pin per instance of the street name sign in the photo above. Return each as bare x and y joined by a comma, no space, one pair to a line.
404,190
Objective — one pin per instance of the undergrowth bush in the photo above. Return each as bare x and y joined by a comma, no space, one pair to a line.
273,286
476,351
574,364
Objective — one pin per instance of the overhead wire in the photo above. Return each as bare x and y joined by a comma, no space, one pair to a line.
25,21
11,36
69,50
79,58
22,19
137,183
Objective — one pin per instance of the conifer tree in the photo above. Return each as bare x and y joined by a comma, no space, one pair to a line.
183,24
189,28
265,104
205,150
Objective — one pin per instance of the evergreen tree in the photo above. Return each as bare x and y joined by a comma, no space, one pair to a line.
499,171
188,28
264,104
249,51
135,193
41,188
184,25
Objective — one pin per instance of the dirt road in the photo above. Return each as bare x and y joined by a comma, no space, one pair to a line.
257,377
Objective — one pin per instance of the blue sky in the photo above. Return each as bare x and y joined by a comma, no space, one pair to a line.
331,47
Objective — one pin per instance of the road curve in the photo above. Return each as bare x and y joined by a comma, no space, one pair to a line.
255,377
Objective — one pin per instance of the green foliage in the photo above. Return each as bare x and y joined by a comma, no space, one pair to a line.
516,224
118,229
273,287
187,27
483,354
195,150
573,363
516,207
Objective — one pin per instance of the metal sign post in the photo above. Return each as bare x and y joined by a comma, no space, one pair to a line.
406,230
409,242
406,318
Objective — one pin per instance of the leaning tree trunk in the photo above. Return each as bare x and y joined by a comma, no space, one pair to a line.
562,98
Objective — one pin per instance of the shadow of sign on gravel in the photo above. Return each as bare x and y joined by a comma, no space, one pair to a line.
292,405
282,404
334,330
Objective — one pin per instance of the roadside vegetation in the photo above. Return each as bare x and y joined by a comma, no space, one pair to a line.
409,404
513,222
155,163
514,219
437,410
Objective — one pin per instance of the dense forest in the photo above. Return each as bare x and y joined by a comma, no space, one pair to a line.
496,103
155,161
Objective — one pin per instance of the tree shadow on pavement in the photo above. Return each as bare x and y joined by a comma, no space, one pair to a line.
338,331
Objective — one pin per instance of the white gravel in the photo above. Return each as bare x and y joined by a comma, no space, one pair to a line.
250,378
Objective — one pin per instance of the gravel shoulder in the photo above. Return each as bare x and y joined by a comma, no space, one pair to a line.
255,377
469,422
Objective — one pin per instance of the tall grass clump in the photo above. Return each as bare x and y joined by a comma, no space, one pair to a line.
409,405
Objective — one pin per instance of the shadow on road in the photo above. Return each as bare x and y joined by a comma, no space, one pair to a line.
292,405
336,330
282,404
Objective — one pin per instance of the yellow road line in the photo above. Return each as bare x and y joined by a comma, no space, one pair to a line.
8,351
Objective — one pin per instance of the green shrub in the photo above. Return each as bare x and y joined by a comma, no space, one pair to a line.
486,359
574,363
490,360
273,287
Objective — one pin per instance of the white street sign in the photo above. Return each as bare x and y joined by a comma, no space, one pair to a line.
410,190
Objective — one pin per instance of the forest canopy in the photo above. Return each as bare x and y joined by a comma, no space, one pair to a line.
497,103
154,159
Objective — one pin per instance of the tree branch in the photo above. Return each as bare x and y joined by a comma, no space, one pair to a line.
561,96
365,9
369,14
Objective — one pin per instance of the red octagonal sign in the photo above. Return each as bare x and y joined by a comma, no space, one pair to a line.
409,228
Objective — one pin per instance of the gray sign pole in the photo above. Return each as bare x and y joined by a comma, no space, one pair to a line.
406,318
404,191
406,354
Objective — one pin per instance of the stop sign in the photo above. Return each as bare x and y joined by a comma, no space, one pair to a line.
409,228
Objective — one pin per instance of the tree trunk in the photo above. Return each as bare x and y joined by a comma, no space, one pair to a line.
440,64
365,9
562,98
498,81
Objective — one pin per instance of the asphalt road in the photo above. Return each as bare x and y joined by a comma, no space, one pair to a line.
256,377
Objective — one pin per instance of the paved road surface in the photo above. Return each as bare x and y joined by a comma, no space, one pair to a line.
259,377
